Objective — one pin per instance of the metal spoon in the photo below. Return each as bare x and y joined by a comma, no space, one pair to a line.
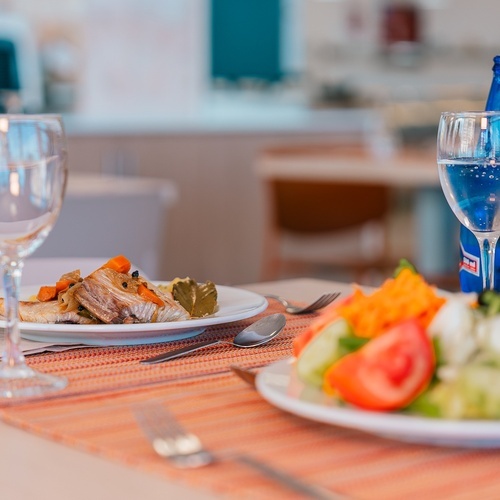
257,333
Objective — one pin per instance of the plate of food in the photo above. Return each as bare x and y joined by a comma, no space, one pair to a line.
114,306
279,385
405,361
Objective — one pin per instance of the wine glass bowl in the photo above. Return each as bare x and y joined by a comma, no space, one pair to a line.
33,174
468,156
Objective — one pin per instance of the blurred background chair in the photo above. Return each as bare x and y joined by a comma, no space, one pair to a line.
103,216
320,228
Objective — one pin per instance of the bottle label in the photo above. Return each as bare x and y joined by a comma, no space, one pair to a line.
469,262
470,274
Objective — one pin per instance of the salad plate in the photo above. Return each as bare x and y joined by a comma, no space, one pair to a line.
279,385
235,304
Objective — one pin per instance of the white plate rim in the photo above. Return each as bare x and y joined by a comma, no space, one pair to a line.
278,384
235,304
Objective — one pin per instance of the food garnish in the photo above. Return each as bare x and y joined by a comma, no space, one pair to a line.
407,296
199,299
49,292
150,295
407,347
387,373
321,352
119,263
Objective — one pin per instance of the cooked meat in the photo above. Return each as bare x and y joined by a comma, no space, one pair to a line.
48,312
113,298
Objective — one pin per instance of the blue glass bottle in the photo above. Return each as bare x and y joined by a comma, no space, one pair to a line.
493,102
471,279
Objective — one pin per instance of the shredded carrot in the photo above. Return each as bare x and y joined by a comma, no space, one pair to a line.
119,263
407,296
150,295
46,293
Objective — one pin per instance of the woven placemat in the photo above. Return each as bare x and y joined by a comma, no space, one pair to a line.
228,415
95,414
107,369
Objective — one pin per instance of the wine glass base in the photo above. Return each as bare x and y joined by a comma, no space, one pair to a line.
23,382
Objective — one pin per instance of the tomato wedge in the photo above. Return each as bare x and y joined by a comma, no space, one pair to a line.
388,373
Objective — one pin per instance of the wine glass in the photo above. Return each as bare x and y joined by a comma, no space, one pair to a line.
468,156
33,175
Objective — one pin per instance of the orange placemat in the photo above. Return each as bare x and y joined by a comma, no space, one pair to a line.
107,369
95,414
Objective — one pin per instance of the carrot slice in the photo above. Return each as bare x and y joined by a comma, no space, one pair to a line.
62,285
150,295
119,263
46,293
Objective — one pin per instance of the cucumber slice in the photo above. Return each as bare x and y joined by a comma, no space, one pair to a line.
321,352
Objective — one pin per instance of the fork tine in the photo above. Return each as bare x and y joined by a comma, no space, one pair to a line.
329,298
159,421
314,305
151,421
322,301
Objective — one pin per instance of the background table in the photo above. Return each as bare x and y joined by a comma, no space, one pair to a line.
416,170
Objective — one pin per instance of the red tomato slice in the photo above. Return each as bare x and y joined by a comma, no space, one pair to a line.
388,373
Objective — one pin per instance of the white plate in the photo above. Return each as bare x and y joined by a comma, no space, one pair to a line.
278,384
234,305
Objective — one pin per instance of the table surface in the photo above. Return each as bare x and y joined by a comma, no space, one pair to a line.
54,469
399,168
87,185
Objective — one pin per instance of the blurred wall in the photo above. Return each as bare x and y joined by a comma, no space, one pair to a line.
459,24
158,50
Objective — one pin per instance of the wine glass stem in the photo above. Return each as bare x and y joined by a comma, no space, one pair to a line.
12,355
487,246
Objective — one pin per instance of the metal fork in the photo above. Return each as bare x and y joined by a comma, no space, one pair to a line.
184,449
169,439
319,303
